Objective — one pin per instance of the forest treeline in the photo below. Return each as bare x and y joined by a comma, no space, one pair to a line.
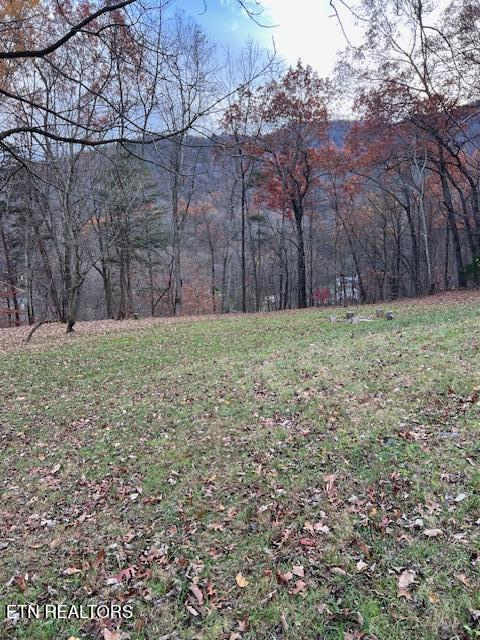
141,175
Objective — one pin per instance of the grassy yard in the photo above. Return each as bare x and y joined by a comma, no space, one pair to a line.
248,478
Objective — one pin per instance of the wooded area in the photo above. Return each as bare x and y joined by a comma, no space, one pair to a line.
141,177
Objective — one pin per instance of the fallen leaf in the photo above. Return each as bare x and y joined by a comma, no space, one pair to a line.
475,613
283,578
71,571
308,526
100,559
338,571
460,497
299,586
461,577
308,542
55,469
433,533
243,625
319,527
364,548
210,588
191,610
21,583
298,571
405,580
197,592
361,565
111,635
329,481
323,608
405,538
124,574
241,581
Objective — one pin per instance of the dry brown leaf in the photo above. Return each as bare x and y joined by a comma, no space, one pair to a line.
100,559
243,625
241,581
299,586
364,548
308,542
405,579
210,588
323,608
298,571
463,578
71,571
54,543
111,635
353,635
197,592
405,538
284,577
329,481
432,533
21,583
319,527
308,526
191,610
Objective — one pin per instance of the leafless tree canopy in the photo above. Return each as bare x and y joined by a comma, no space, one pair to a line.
144,174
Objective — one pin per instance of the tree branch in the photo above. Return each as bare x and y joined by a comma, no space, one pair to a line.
41,53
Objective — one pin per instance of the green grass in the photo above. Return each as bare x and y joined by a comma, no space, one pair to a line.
196,451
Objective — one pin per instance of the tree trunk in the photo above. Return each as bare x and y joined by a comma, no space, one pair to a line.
301,270
243,247
447,196
415,252
10,277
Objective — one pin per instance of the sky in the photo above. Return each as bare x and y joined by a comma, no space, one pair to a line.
305,29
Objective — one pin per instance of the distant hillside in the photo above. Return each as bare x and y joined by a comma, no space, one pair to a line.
339,129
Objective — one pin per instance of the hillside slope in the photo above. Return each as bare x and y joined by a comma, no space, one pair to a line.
269,476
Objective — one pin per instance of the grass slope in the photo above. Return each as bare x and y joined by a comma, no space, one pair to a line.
264,477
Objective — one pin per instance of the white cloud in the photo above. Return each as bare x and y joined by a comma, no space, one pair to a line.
310,30
307,29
